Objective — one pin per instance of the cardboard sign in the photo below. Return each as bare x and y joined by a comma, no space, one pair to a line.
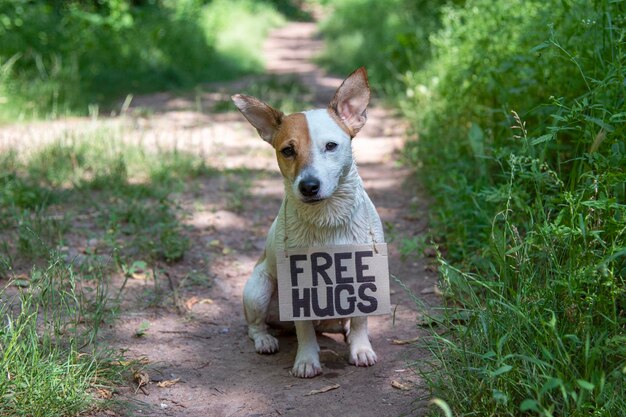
333,282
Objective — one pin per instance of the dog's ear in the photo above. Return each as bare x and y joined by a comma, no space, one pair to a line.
264,118
351,100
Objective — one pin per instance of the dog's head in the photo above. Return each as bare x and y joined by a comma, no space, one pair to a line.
313,148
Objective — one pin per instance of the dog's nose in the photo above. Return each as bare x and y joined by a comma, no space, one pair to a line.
309,186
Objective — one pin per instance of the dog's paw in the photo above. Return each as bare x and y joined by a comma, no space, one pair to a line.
363,356
265,343
306,367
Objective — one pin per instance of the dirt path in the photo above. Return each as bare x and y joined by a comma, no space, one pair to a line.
227,218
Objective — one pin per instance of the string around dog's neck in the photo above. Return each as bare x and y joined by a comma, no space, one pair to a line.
285,240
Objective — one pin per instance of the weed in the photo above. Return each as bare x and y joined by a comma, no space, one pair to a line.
44,328
412,246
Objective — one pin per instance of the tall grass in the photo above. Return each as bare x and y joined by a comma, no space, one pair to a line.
61,57
49,364
519,108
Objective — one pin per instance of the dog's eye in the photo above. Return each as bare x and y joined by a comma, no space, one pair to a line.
288,152
331,146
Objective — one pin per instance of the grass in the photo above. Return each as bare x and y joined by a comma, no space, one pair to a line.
519,108
49,364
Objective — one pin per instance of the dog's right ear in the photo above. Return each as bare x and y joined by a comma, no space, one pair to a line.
264,118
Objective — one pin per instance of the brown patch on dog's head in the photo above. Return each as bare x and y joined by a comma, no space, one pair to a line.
292,142
289,135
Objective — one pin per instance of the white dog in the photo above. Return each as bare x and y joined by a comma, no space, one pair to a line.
324,204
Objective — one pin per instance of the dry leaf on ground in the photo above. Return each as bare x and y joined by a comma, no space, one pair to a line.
104,393
323,390
400,386
168,383
141,378
195,300
404,341
191,302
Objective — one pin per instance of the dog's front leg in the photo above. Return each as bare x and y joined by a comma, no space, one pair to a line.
307,364
257,295
361,352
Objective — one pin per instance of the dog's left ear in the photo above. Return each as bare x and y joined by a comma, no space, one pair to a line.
351,100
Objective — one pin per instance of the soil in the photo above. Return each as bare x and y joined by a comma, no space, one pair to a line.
196,331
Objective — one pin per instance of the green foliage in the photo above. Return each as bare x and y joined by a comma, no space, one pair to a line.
43,371
59,57
533,204
387,37
519,108
239,29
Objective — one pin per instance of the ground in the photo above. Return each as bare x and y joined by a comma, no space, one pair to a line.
196,332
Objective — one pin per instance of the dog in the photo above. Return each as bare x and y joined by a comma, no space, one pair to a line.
324,203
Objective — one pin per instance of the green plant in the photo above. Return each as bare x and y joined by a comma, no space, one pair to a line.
389,38
44,331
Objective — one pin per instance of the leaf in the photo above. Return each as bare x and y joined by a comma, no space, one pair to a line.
195,300
20,283
600,123
323,390
191,302
542,45
141,378
404,341
499,396
399,385
529,404
138,270
501,370
104,393
585,384
551,384
618,117
167,383
488,355
142,329
542,139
